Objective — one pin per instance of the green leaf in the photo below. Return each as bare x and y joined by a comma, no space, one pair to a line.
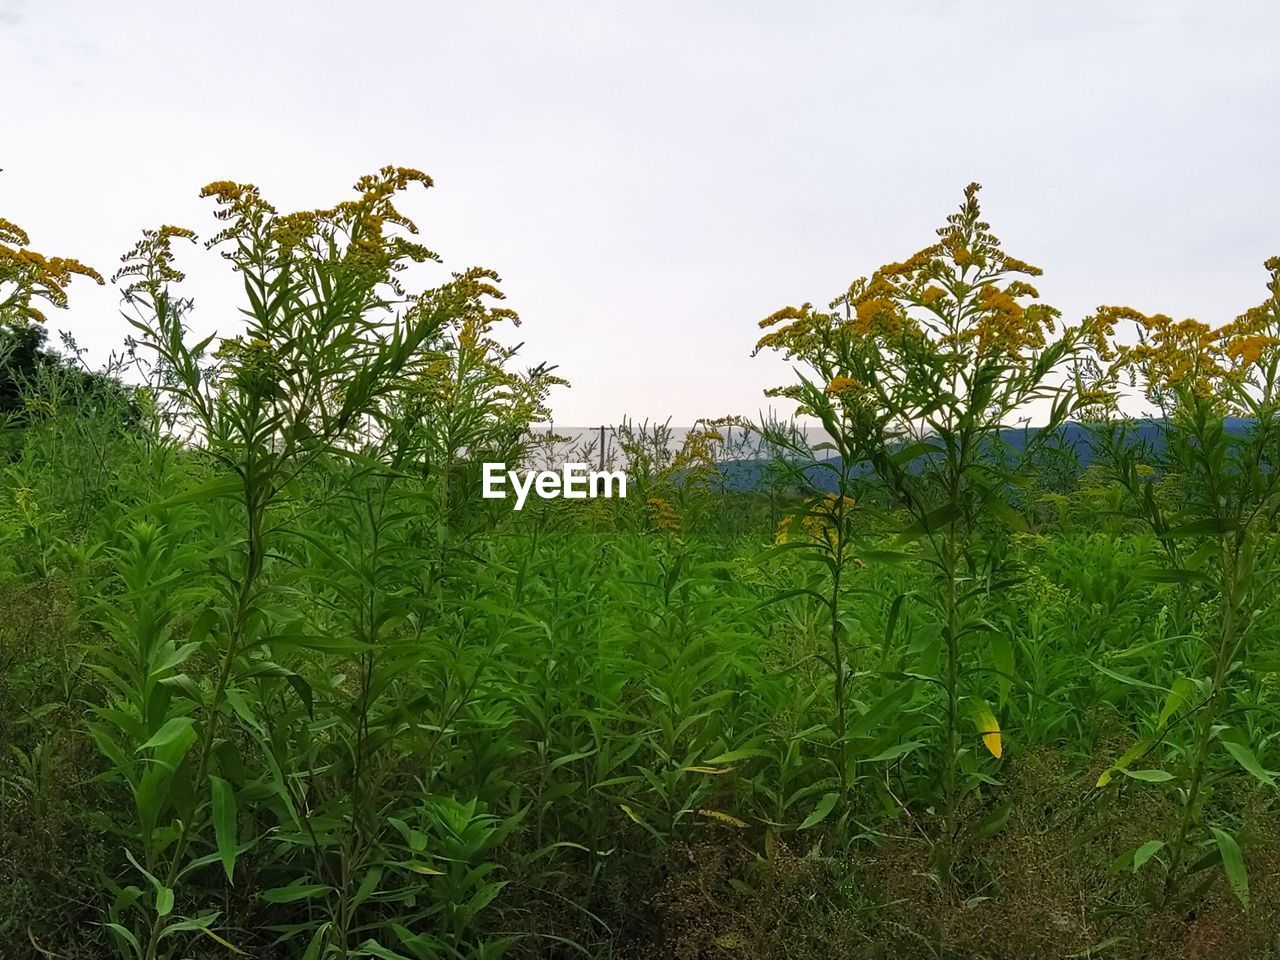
1002,660
1182,689
125,934
164,901
1247,759
184,685
988,727
224,823
1233,865
885,556
223,486
911,452
821,811
934,520
371,948
1136,750
1149,776
1168,575
303,690
295,892
734,756
1006,514
1131,681
318,940
1210,526
1145,853
320,643
896,751
171,732
992,823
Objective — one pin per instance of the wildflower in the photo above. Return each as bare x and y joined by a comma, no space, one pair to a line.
151,262
783,532
931,295
1248,350
27,277
664,515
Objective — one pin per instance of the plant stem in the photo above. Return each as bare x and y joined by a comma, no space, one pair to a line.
949,820
1222,658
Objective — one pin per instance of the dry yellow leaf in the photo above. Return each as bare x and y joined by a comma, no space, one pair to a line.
723,818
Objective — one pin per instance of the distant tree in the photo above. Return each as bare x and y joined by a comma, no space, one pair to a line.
21,352
28,364
31,282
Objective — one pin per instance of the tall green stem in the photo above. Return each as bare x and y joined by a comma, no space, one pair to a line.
953,671
1222,660
244,601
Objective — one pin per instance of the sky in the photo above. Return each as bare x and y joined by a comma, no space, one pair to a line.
651,179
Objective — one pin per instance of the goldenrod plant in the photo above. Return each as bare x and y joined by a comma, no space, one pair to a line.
916,372
330,336
28,277
1210,495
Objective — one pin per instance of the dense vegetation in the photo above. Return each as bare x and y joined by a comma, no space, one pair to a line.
276,682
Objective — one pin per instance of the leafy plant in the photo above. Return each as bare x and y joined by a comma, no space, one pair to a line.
1211,501
915,371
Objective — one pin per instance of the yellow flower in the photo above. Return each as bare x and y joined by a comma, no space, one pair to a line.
1247,351
27,276
783,533
664,515
151,261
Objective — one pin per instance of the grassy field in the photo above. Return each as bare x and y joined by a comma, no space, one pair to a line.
275,681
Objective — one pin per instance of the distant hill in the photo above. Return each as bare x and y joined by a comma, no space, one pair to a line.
1075,438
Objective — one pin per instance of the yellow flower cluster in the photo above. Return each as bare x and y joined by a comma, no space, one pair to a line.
389,181
241,206
956,304
698,449
150,262
27,276
839,385
942,279
1246,351
1173,356
663,515
873,309
251,364
466,366
359,234
1006,327
1173,353
820,521
931,295
795,326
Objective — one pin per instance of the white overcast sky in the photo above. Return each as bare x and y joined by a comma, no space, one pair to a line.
652,178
